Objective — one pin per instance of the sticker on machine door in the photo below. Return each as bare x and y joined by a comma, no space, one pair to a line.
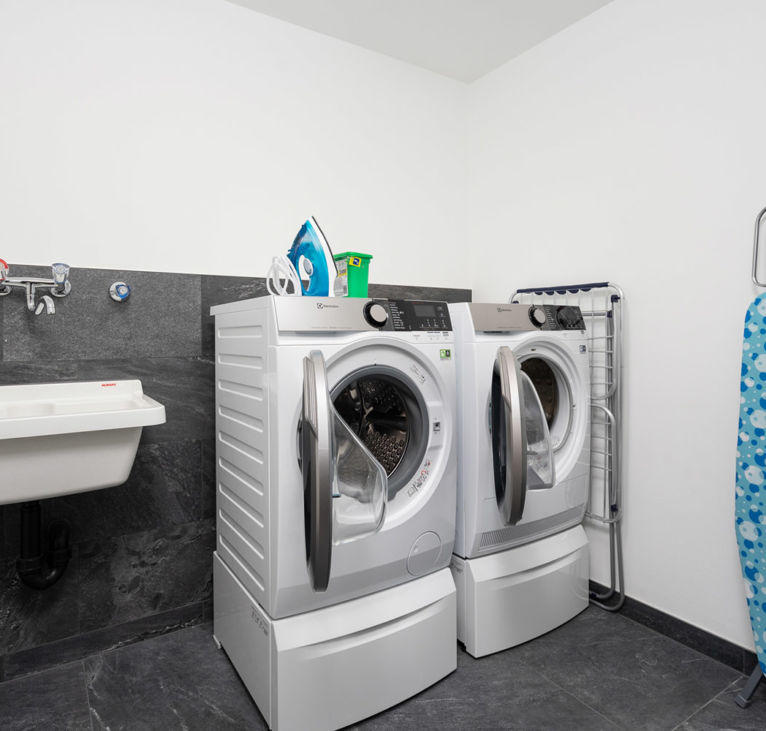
421,479
445,354
419,375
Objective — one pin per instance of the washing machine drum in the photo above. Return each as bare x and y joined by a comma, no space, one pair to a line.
387,413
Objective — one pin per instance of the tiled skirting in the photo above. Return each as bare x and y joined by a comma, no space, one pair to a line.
698,639
141,562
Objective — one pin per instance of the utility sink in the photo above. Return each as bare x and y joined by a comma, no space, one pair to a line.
61,438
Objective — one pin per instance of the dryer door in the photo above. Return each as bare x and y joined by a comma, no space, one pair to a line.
344,486
522,457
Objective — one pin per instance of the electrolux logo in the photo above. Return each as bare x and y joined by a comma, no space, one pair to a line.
323,306
504,309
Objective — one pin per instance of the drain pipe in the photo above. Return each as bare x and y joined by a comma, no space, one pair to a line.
36,570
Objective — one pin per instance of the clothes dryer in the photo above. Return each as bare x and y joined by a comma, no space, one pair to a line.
520,561
336,479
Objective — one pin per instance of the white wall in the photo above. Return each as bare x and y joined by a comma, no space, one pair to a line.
632,148
197,136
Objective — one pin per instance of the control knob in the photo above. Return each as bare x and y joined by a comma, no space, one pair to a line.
568,317
375,314
537,316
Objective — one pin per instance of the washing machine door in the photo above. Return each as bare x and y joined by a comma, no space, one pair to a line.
522,455
317,469
344,486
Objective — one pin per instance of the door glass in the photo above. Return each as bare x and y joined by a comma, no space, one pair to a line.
544,380
555,395
386,413
540,469
360,487
539,452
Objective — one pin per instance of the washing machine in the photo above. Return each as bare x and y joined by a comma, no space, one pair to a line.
521,557
336,483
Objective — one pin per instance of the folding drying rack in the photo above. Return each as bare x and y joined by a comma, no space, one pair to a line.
601,306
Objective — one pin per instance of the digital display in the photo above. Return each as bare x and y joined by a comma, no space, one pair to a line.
424,310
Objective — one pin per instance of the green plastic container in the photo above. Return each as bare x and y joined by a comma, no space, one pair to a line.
354,267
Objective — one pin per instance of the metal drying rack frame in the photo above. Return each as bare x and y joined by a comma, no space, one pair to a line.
601,306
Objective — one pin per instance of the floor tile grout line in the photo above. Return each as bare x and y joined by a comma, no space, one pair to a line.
596,711
87,694
705,705
658,636
579,700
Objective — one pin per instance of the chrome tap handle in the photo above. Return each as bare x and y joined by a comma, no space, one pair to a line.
61,284
60,274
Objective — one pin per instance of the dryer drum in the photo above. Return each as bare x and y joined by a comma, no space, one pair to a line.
544,381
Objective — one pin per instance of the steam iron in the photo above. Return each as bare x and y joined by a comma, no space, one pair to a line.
312,258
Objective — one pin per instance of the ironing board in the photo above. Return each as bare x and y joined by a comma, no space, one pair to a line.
750,500
750,491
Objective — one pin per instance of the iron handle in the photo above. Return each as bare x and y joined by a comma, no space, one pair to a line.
317,469
515,493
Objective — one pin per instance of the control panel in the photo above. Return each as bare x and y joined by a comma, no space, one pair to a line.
353,314
411,315
558,317
515,317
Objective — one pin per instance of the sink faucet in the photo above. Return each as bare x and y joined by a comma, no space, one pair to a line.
58,286
46,302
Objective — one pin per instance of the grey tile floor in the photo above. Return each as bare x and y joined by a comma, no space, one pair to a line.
599,671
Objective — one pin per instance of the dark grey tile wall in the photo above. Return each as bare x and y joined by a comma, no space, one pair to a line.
141,562
91,325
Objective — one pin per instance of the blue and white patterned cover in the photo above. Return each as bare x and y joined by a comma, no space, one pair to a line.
750,500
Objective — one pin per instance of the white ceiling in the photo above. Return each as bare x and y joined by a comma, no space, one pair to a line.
462,39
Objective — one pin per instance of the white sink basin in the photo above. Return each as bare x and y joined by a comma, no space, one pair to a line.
60,438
